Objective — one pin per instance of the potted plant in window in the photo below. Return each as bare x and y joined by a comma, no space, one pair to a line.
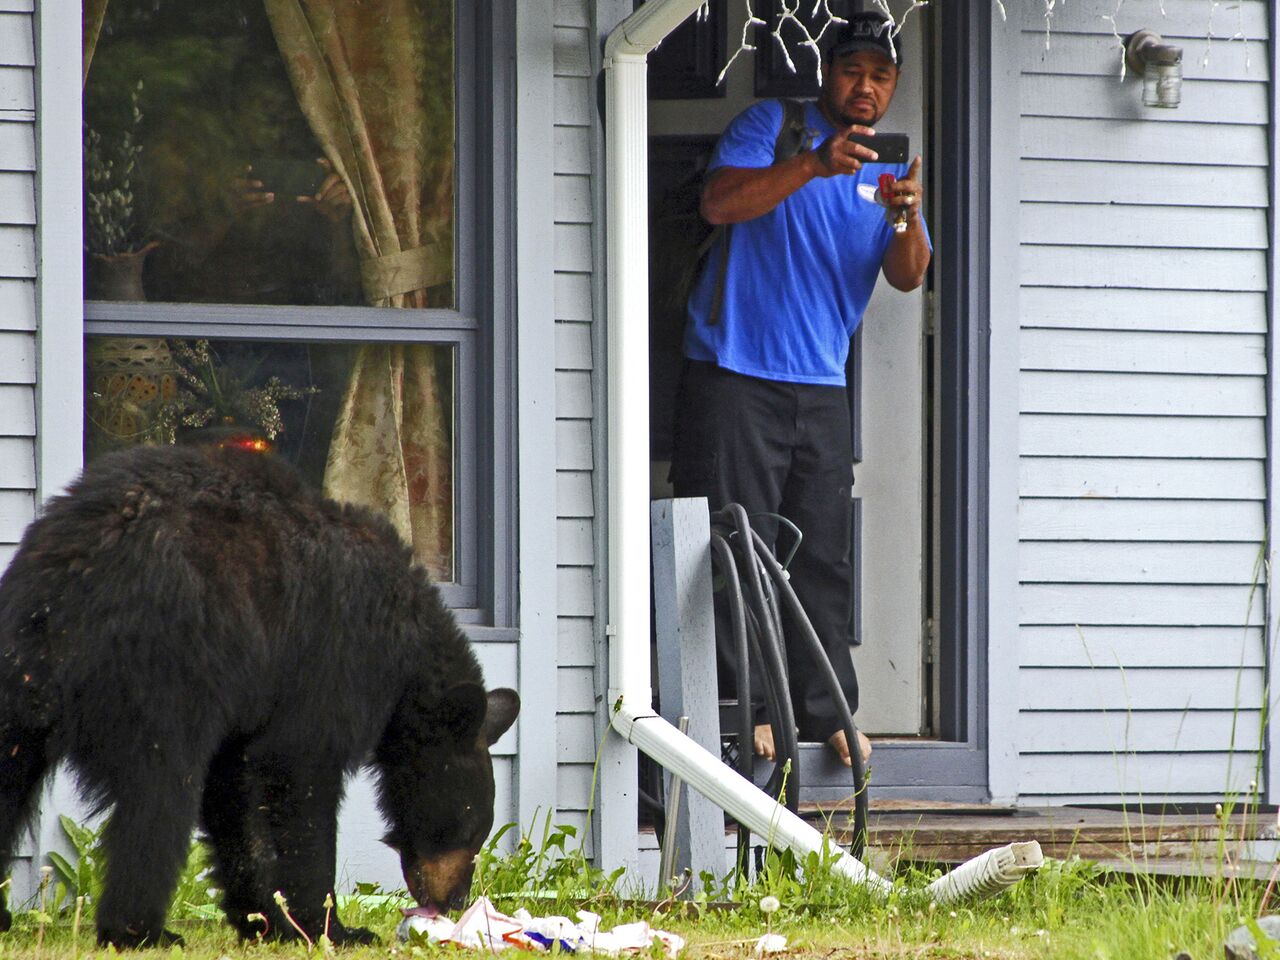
219,396
114,240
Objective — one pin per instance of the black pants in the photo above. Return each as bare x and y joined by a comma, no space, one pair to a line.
780,448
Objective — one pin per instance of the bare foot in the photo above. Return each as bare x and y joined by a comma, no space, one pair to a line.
840,743
762,739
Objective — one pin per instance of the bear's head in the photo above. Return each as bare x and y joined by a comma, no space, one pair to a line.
437,788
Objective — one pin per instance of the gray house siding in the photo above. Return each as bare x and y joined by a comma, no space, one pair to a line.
18,348
576,541
17,275
1142,480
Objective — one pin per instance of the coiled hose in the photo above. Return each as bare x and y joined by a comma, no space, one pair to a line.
739,556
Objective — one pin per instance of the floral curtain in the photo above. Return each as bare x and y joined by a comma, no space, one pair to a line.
375,82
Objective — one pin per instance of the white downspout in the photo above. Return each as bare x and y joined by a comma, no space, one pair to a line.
627,272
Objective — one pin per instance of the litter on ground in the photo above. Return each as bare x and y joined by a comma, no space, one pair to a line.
482,926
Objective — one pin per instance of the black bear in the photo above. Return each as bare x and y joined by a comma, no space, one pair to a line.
208,641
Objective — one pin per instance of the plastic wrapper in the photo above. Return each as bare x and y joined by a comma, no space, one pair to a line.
483,927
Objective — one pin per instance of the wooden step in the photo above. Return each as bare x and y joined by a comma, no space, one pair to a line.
934,832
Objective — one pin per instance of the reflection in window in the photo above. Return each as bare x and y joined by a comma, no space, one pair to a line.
270,151
298,399
291,153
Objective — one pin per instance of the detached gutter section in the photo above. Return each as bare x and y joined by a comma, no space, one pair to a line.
630,690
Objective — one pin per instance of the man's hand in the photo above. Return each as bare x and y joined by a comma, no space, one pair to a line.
905,194
332,200
907,258
840,155
248,192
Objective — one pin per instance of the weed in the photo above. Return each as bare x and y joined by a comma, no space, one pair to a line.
554,869
76,884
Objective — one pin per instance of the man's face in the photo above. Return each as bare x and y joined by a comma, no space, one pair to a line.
857,88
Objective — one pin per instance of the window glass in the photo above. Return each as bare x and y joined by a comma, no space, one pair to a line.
291,154
317,405
294,152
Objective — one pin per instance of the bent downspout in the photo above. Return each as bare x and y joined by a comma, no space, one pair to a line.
630,690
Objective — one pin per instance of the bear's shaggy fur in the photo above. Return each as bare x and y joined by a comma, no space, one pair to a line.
209,642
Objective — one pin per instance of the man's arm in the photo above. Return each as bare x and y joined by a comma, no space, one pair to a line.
735,194
907,258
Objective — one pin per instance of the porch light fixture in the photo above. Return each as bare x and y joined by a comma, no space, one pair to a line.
1160,66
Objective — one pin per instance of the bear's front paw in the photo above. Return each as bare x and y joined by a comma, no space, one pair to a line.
340,935
6,919
131,938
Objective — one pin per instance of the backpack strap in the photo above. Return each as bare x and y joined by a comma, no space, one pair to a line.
794,137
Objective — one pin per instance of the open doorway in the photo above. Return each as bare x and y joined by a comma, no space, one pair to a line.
896,365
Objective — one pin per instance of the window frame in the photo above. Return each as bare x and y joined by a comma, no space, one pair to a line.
480,590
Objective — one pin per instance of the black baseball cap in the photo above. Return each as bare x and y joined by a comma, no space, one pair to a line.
867,31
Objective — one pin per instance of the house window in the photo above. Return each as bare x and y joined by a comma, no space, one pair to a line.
276,244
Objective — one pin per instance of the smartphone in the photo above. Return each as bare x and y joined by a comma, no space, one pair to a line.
288,178
891,147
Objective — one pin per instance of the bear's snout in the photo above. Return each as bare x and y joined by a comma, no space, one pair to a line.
442,880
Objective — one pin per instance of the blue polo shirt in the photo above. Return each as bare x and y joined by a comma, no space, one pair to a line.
799,277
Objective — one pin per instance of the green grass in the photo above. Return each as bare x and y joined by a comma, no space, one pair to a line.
1068,910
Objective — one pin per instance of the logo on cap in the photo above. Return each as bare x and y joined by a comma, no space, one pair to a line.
866,29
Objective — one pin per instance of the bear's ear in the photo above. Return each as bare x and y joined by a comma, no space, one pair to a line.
462,710
504,704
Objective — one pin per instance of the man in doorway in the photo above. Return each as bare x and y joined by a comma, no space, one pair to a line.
762,414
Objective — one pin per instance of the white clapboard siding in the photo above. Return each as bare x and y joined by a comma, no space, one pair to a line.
1084,604
17,357
573,150
1089,689
573,339
573,782
1131,309
1063,390
17,464
1098,55
1123,478
1155,183
17,198
575,642
573,246
1143,268
17,509
17,145
1111,646
17,410
17,45
1147,225
1142,141
1208,521
1246,19
1147,731
1203,101
17,272
575,738
1056,561
1141,352
1134,436
1047,181
1135,777
1142,405
573,299
574,239
1141,479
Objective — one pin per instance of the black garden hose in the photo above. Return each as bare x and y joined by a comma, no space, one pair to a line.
755,616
